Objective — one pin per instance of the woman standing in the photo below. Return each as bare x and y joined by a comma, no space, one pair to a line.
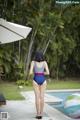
39,68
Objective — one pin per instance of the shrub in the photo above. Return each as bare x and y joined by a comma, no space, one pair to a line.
24,82
20,82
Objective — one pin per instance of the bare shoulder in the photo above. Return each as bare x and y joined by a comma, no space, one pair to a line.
32,62
45,63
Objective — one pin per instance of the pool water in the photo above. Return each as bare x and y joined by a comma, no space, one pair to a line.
63,96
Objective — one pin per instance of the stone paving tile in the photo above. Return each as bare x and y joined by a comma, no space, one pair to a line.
21,110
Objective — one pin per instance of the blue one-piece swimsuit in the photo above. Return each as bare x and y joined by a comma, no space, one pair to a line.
39,77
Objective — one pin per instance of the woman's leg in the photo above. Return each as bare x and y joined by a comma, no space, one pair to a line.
42,90
37,97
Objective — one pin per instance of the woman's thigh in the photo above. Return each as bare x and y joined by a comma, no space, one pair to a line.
36,89
39,89
42,89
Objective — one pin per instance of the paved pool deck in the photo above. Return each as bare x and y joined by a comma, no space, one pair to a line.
25,109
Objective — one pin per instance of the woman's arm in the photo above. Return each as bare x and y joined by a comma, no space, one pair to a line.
31,68
46,68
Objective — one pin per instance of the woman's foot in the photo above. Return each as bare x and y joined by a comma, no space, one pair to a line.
38,117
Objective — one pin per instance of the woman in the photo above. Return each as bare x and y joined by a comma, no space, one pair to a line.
39,68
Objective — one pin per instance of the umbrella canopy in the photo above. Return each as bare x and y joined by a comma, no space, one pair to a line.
10,32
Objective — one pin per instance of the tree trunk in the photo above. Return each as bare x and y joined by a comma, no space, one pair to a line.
28,56
57,71
19,51
53,37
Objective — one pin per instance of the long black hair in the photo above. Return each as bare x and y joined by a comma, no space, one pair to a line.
39,56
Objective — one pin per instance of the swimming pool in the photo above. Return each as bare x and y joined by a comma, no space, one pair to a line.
62,95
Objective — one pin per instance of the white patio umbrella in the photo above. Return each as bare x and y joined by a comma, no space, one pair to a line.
10,32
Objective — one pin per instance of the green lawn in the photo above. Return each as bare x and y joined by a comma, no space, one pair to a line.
70,84
12,92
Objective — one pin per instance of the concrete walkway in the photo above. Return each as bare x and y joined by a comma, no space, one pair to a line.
25,109
52,113
21,110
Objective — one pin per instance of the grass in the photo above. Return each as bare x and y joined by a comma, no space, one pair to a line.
69,84
12,92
